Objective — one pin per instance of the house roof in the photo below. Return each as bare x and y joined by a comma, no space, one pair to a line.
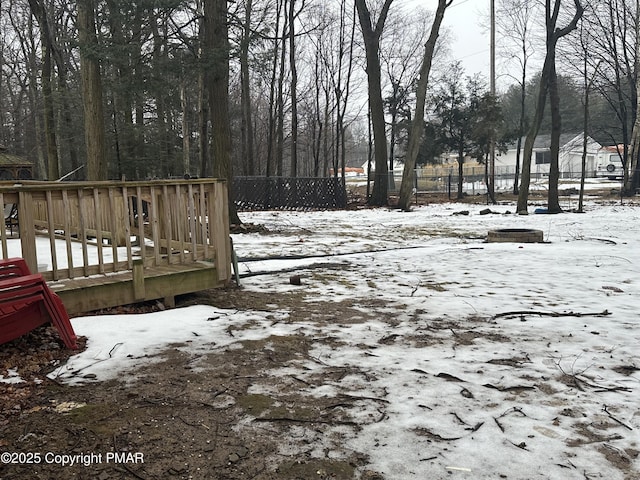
9,160
544,141
567,140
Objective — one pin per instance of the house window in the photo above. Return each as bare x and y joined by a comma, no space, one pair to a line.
543,157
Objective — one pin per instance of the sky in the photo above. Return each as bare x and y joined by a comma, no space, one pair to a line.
468,21
468,388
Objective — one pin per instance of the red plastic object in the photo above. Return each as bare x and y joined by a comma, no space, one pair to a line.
26,302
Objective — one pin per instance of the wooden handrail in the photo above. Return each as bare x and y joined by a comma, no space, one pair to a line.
102,227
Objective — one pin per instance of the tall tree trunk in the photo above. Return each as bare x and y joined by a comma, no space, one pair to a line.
371,37
203,124
393,110
280,103
31,86
91,92
186,144
64,92
460,195
294,90
632,176
53,164
325,141
342,89
523,102
245,92
203,99
46,36
417,125
162,130
217,46
318,124
271,140
585,129
553,202
132,107
548,71
119,107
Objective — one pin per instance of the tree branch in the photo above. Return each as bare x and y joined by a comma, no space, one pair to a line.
514,313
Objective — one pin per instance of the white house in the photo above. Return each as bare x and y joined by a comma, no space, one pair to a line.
570,159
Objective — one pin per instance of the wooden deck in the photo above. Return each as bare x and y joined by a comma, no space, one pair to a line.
116,243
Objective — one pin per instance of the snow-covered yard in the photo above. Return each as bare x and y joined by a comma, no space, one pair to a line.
465,359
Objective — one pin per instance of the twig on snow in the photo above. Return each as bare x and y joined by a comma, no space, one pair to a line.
615,419
579,382
507,412
521,445
304,420
540,313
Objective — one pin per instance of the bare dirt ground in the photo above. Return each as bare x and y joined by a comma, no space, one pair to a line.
176,419
183,422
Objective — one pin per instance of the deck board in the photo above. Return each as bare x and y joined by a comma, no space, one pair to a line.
88,294
163,238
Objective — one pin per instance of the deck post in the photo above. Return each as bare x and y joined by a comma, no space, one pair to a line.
138,279
27,230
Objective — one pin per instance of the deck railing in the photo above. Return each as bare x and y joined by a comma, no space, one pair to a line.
79,229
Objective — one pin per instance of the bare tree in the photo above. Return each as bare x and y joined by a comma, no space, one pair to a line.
245,90
203,95
371,33
341,82
217,46
20,95
417,125
514,21
613,38
276,80
91,92
294,87
633,176
280,100
400,54
548,84
46,36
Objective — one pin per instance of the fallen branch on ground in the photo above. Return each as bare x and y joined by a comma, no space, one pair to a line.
509,389
507,412
578,382
333,265
615,419
304,420
516,313
425,432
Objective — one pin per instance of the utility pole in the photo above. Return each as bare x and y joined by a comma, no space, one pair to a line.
492,74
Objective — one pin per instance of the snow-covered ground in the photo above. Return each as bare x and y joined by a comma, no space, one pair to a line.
514,377
471,389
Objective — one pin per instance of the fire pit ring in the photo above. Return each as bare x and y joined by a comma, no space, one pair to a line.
516,235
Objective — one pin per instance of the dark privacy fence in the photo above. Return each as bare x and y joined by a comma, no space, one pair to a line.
279,193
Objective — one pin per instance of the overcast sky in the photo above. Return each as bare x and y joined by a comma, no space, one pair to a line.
468,21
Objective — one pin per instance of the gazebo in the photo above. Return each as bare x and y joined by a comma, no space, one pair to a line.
13,167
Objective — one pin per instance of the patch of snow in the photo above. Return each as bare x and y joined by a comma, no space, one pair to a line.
12,377
469,390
